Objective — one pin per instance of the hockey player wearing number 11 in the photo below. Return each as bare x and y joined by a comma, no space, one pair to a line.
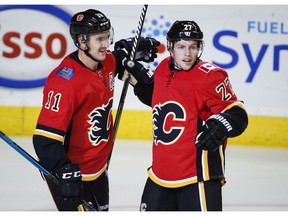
194,111
74,132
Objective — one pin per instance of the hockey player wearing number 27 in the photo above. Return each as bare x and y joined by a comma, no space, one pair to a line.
74,132
194,111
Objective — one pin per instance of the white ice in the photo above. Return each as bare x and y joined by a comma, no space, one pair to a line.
256,178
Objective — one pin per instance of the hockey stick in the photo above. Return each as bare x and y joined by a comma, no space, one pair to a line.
126,83
32,160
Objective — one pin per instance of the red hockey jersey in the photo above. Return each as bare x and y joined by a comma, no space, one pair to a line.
78,102
181,102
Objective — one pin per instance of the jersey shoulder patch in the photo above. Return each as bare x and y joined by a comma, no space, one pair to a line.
65,72
207,67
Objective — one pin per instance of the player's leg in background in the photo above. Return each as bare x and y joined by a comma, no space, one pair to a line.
157,198
97,192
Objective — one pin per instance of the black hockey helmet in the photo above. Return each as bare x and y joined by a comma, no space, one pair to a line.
184,30
88,22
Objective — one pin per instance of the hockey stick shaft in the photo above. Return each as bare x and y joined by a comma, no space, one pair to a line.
33,161
126,83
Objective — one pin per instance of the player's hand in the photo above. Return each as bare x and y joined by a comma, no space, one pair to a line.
147,48
215,132
138,72
70,184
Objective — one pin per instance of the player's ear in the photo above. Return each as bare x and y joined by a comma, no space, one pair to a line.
83,46
82,43
171,53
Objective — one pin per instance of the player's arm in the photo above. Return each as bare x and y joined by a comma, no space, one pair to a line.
229,117
144,93
142,80
238,117
147,52
219,127
52,155
120,57
51,152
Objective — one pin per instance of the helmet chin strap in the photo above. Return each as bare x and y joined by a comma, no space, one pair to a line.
85,38
89,55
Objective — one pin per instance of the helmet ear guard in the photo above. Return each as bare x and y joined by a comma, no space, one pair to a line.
84,38
82,42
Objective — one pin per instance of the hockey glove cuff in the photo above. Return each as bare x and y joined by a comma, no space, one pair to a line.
70,184
217,128
139,72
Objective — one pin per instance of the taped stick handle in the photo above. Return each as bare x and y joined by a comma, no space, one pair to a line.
138,33
132,58
126,83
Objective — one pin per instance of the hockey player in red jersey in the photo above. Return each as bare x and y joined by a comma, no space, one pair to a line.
194,111
74,132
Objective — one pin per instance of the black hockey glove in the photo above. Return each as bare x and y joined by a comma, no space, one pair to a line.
147,48
70,184
217,128
139,72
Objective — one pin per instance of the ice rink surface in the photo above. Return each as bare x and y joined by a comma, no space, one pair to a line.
257,178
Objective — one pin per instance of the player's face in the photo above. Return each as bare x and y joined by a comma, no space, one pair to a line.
185,53
98,44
